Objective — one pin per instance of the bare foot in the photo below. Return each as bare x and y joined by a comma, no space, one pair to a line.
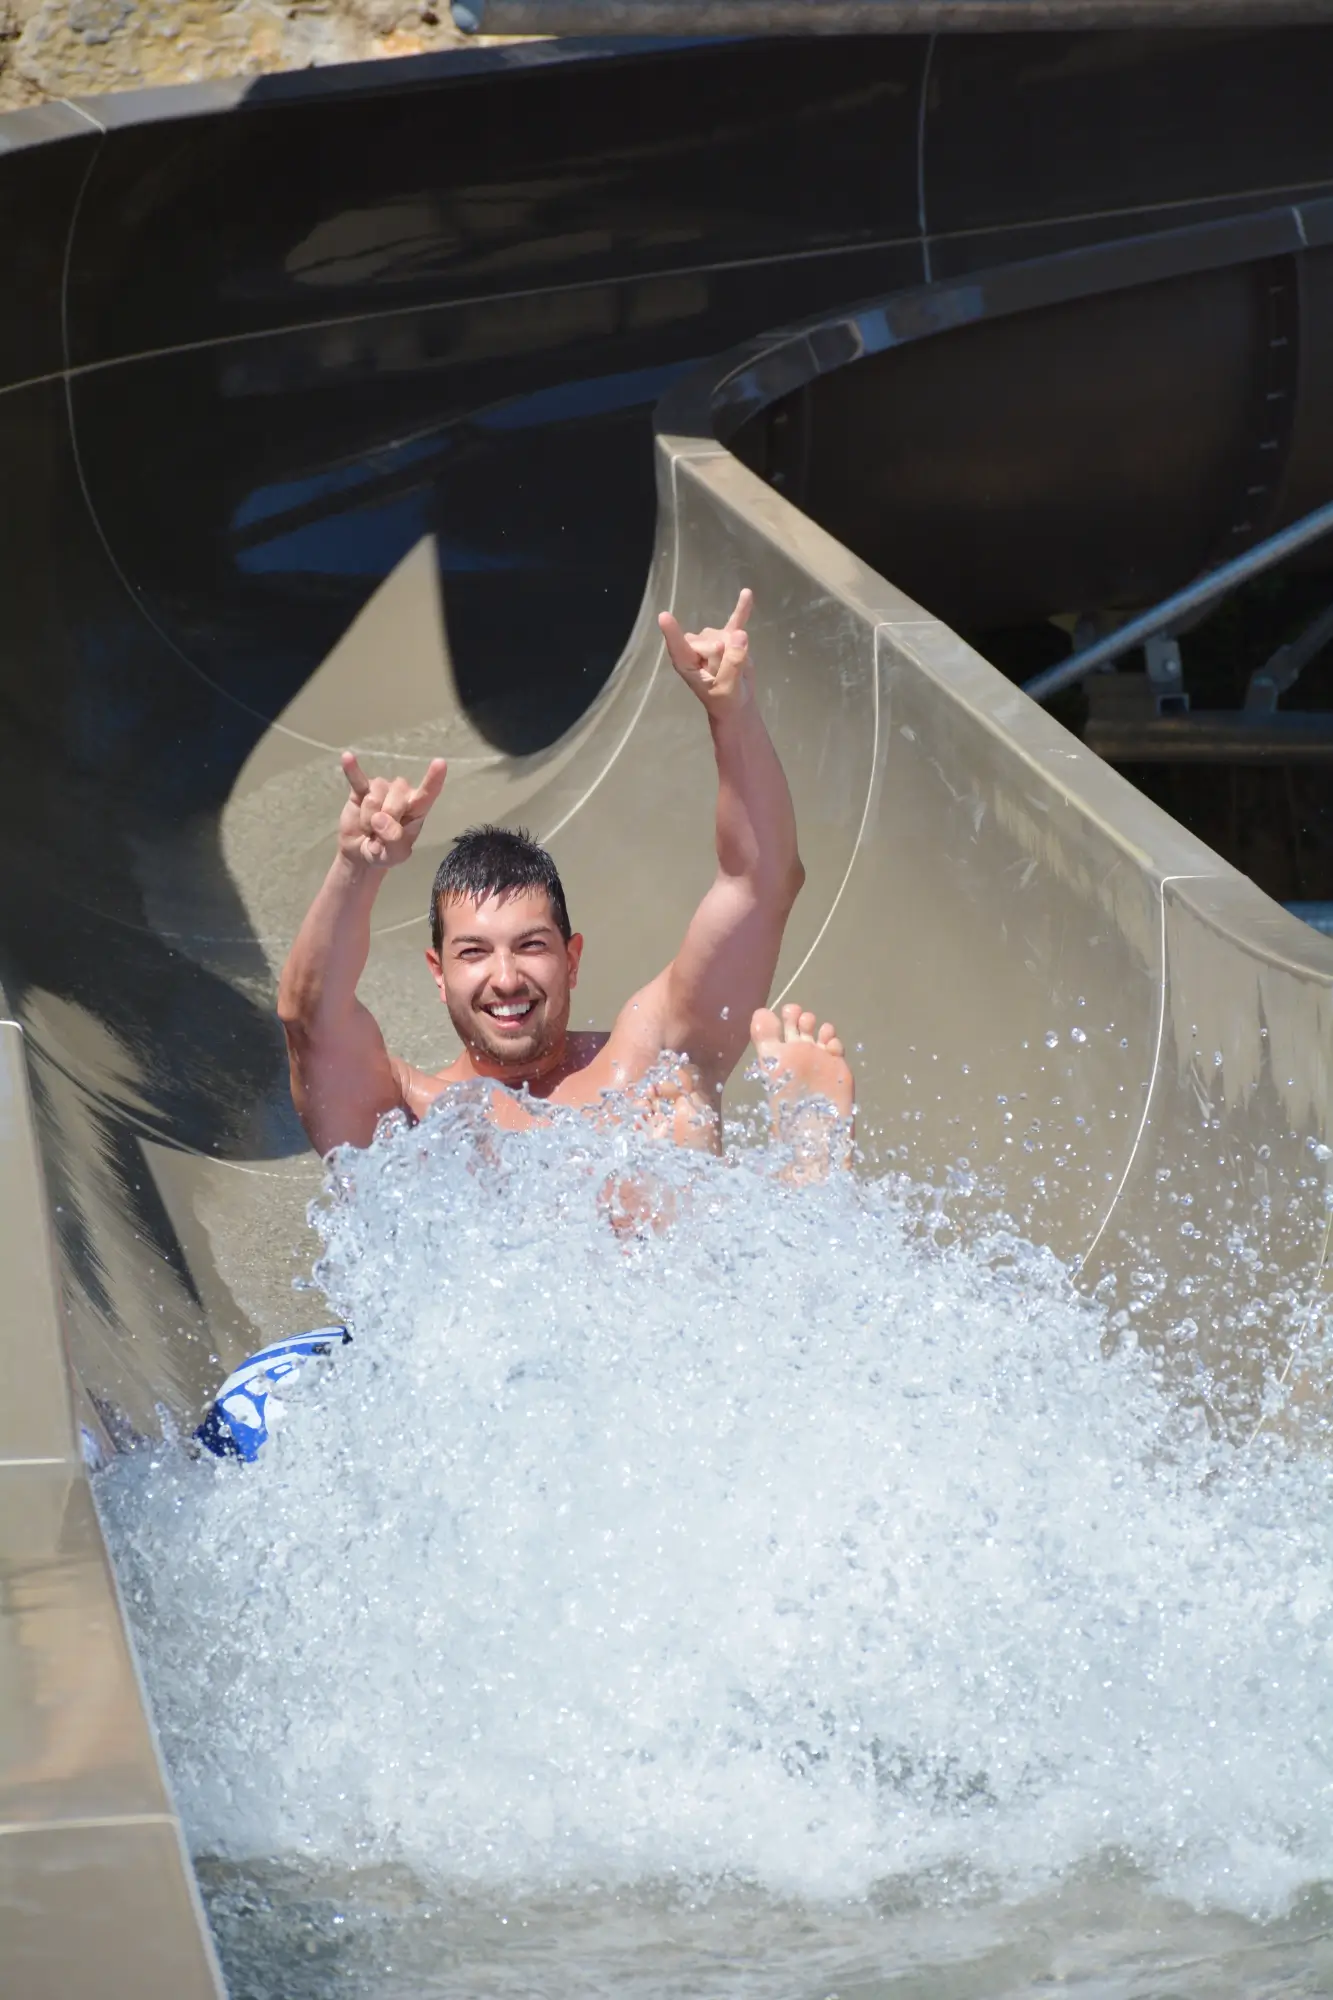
807,1078
674,1108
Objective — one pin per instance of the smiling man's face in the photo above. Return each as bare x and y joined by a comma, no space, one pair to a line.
505,973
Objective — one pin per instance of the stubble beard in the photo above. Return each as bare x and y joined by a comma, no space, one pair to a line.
510,1052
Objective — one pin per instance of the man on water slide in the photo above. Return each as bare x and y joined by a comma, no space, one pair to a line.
505,960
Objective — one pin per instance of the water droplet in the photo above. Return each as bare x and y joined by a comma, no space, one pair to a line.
1051,1039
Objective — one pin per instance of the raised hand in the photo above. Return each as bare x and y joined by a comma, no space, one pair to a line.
715,663
383,816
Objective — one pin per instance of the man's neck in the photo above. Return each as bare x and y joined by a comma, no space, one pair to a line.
546,1069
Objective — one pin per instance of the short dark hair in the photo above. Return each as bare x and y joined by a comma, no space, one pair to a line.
495,861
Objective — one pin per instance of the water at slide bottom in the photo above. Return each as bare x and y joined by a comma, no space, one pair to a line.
798,1601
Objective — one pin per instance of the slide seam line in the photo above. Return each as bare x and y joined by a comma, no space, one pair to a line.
90,1824
1144,1118
861,829
380,314
670,271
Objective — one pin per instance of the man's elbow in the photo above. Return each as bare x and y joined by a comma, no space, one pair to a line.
775,885
789,882
301,1006
292,1011
305,1026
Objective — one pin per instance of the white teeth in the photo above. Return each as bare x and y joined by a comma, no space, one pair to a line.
510,1013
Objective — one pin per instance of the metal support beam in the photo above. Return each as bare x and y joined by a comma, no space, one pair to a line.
861,17
1287,665
1213,736
1166,675
1172,612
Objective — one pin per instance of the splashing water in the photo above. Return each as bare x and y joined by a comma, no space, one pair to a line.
781,1548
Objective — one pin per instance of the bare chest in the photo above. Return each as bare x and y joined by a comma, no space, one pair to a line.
591,1069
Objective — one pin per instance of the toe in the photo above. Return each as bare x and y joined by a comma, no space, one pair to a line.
791,1022
807,1027
765,1026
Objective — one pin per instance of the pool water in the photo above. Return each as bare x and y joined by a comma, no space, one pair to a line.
1102,1934
794,1601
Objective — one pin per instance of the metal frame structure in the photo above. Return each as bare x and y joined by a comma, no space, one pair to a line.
861,17
1202,595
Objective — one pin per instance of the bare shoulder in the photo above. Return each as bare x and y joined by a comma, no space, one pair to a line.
418,1088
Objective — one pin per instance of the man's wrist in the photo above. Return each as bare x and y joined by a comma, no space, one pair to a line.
725,721
351,871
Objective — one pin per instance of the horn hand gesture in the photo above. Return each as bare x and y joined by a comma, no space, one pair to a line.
715,663
383,816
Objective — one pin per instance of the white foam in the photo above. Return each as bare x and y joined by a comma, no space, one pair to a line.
784,1546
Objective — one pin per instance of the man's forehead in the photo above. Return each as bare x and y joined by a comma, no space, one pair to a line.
502,910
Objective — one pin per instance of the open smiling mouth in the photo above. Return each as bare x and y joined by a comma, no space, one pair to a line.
510,1013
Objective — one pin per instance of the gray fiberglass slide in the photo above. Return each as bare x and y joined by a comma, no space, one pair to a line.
217,571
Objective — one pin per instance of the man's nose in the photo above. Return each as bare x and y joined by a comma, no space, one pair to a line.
507,975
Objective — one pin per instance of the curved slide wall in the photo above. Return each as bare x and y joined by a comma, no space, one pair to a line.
1053,984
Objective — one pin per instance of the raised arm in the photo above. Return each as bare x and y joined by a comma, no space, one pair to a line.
343,1078
725,965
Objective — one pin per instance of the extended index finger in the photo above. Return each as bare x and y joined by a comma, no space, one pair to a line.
426,793
744,606
354,775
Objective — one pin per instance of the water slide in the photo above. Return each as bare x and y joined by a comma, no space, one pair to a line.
385,408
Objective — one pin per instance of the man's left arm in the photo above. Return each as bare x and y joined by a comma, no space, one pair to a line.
726,963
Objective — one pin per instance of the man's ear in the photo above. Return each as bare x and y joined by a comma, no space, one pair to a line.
573,953
436,969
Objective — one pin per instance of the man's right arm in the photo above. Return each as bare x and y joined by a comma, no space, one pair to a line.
343,1078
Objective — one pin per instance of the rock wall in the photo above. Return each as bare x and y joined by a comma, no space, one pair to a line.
77,48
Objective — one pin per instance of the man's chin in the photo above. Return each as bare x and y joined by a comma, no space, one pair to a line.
510,1055
512,1051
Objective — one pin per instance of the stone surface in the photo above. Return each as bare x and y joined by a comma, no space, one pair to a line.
79,48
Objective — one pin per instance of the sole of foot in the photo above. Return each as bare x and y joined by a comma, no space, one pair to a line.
801,1059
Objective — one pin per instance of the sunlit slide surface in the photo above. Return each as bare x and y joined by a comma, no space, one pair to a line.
916,1583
